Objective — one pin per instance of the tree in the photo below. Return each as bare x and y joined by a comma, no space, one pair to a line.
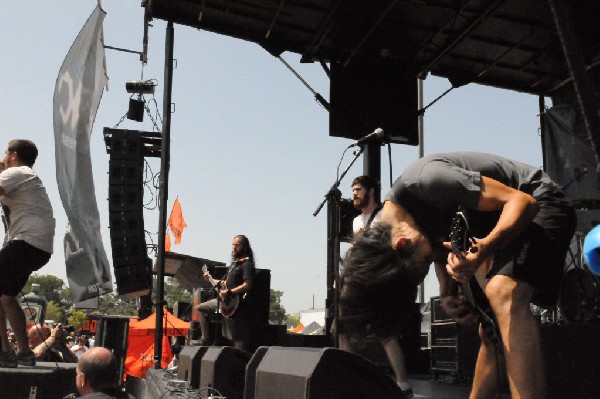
111,304
53,312
276,310
51,287
76,318
174,292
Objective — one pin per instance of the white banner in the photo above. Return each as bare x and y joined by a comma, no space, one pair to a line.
79,87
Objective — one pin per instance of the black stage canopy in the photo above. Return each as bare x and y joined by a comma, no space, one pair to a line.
511,44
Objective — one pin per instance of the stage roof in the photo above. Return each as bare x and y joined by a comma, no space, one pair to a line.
511,44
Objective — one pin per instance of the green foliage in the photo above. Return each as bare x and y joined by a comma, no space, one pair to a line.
276,310
54,311
51,287
76,318
111,304
175,292
294,318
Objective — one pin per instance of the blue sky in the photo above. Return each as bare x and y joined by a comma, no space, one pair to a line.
250,147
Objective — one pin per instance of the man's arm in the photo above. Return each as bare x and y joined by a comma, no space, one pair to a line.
517,210
459,310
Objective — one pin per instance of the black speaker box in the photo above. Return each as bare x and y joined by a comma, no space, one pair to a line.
259,298
125,198
182,310
133,280
125,172
44,381
372,93
326,373
188,368
129,251
223,368
111,333
125,144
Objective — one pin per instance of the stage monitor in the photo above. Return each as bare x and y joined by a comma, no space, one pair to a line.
222,372
315,373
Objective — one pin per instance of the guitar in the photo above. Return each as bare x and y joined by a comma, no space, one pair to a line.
462,241
228,305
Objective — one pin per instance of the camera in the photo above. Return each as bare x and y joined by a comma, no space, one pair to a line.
69,328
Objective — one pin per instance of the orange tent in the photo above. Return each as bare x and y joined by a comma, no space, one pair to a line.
140,347
172,326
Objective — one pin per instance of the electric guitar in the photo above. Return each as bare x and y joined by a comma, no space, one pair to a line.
462,242
228,305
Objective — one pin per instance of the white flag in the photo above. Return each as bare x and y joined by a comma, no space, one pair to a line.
77,95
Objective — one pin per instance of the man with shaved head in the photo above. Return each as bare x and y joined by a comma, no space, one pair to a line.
98,375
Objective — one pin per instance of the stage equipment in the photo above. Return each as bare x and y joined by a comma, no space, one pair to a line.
128,240
183,310
591,249
136,109
303,373
188,368
140,86
372,93
223,368
47,380
111,333
454,347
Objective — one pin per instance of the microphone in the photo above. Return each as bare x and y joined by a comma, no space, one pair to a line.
377,134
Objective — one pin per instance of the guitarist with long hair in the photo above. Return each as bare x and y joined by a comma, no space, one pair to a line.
231,291
518,217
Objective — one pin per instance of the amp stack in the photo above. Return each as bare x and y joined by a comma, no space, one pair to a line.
454,347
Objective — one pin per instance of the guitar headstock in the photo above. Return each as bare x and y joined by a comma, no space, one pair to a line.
460,234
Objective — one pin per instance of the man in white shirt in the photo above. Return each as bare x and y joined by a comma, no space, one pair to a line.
29,225
364,197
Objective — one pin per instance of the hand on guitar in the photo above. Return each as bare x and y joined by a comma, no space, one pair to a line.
461,267
459,310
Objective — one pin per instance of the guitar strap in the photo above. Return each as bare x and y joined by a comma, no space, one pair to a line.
373,214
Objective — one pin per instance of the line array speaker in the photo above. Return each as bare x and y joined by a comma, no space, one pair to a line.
128,241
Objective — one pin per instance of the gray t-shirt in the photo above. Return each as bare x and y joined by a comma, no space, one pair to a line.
433,187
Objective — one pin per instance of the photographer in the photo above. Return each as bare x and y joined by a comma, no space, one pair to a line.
50,345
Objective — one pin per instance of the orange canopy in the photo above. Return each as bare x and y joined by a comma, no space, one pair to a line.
172,326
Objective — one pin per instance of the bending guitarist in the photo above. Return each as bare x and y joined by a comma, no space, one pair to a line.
523,221
235,285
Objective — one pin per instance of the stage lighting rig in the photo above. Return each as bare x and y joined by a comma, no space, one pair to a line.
140,86
137,105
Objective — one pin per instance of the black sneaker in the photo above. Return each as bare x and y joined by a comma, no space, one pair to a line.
8,359
26,358
408,394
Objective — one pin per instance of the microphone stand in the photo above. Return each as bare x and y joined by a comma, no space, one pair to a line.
332,198
335,185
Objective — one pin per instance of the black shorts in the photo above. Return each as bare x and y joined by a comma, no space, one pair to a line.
538,255
18,260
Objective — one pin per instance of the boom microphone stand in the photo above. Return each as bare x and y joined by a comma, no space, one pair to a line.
332,198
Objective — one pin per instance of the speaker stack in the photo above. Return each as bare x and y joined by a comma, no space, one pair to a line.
131,264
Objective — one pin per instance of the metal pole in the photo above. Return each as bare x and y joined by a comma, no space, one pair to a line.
163,192
420,128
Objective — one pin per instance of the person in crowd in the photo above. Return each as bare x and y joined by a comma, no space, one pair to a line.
365,190
49,345
231,292
79,347
518,217
97,375
28,243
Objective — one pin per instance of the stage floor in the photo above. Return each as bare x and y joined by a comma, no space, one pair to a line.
443,388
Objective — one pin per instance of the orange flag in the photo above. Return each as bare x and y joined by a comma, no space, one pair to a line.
167,242
176,221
